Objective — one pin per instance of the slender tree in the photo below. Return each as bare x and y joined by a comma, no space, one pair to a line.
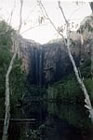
67,44
7,81
91,6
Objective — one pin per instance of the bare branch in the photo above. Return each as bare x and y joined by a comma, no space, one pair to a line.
12,12
9,22
20,20
48,18
91,6
62,12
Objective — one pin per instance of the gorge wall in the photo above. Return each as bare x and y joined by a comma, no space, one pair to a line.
50,62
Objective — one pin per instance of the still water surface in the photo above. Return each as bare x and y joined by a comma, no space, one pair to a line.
52,121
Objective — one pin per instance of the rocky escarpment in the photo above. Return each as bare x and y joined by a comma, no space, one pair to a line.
56,61
50,62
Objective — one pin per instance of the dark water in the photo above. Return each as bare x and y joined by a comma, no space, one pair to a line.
52,122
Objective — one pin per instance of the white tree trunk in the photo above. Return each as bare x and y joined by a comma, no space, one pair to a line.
67,44
92,60
80,81
88,104
7,101
91,6
7,81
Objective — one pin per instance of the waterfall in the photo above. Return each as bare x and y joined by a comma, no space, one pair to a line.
40,67
37,66
40,77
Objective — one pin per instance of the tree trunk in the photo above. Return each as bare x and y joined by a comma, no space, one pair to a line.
80,81
7,101
7,89
67,44
91,6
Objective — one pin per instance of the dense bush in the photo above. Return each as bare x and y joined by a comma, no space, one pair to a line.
17,76
68,89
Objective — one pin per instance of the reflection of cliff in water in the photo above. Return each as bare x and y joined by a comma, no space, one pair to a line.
67,122
52,122
58,129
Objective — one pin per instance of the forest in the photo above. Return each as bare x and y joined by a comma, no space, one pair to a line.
46,89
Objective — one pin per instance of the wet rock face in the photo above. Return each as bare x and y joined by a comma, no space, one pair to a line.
56,62
50,62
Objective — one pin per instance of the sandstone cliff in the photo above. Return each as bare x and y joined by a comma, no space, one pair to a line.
50,62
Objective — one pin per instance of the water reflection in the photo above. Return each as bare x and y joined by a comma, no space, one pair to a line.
71,122
76,115
53,122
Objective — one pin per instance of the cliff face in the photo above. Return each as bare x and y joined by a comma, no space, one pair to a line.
50,62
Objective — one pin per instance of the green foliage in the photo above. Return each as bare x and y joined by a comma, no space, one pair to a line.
76,115
5,34
89,85
68,91
70,98
34,135
85,69
17,86
17,76
33,90
87,25
31,134
5,56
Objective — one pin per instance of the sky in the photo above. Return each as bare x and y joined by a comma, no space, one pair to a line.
31,12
